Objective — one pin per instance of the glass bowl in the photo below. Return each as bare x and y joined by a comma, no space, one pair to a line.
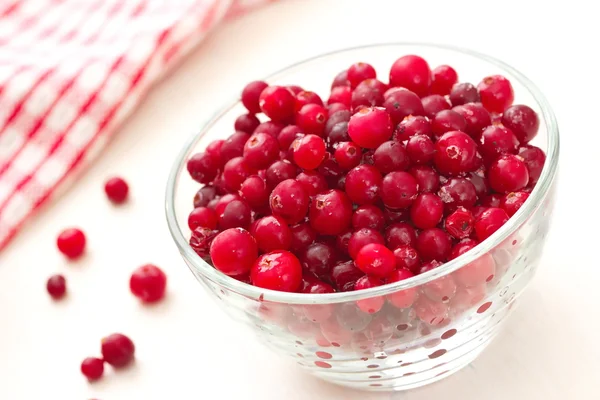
431,325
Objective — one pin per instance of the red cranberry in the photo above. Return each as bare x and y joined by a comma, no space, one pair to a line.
345,275
338,133
318,259
214,150
400,234
342,240
433,244
376,260
236,214
313,182
348,155
402,103
523,121
341,79
497,140
270,128
224,201
427,211
294,89
302,235
373,304
336,118
235,172
311,119
148,283
460,223
478,180
234,146
56,286
461,248
434,104
250,95
370,127
313,285
403,298
413,73
496,93
368,93
280,171
508,174
477,211
204,195
255,192
363,184
116,190
412,126
513,201
427,178
463,93
420,149
443,79
341,95
446,121
278,270
202,167
260,151
287,136
330,212
393,216
361,238
330,169
492,200
359,72
117,350
233,251
477,117
201,240
429,265
92,368
309,151
271,233
489,222
534,158
277,103
289,201
407,258
458,192
391,156
456,153
306,97
202,216
399,189
368,216
246,123
71,242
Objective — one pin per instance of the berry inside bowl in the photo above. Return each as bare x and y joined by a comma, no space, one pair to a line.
377,224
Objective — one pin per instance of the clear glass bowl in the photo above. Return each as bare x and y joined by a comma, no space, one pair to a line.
448,324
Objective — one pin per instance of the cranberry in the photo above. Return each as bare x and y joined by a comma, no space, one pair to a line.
393,216
446,121
342,240
412,126
375,259
289,201
338,133
330,169
401,104
461,248
370,127
477,211
236,214
318,259
367,157
427,178
313,285
441,289
233,146
443,79
345,275
202,167
508,174
312,118
270,128
458,192
214,150
309,151
278,270
399,189
429,265
224,201
361,238
313,182
363,184
201,240
477,272
117,350
427,211
348,155
336,118
434,104
235,172
295,89
478,180
251,94
341,79
56,286
433,244
204,195
116,190
497,140
523,121
287,136
460,223
277,103
233,251
391,156
255,192
492,200
71,242
271,233
148,283
260,151
330,212
456,153
340,95
202,216
420,149
513,201
534,158
477,117
407,258
403,298
413,73
368,216
496,93
359,72
305,97
302,235
368,93
92,368
280,171
489,222
463,93
400,234
373,304
246,123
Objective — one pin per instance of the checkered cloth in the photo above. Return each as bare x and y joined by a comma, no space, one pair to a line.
70,72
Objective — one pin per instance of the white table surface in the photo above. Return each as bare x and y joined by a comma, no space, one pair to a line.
188,349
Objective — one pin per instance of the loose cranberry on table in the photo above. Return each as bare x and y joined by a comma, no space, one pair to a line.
56,286
116,190
148,283
92,368
117,350
71,242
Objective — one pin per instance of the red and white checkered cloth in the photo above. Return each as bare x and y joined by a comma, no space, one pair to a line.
70,72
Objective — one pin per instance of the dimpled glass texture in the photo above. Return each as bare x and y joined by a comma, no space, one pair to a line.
448,324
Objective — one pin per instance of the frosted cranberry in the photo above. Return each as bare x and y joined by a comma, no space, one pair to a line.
477,117
400,234
399,189
497,140
412,126
407,258
458,192
255,192
427,211
433,244
363,184
420,149
302,235
236,214
277,103
270,128
348,155
289,200
376,260
391,156
368,93
373,304
496,93
403,298
92,368
271,233
309,151
368,216
513,201
233,251
461,248
288,135
456,153
116,190
370,127
234,145
202,167
311,119
202,216
260,151
534,158
246,123
330,212
443,79
56,286
341,79
117,350
200,242
492,200
148,283
446,121
345,275
280,171
413,73
358,72
401,104
361,238
463,93
330,169
235,172
313,285
278,270
508,174
318,259
204,195
522,120
460,223
427,178
251,94
489,222
71,242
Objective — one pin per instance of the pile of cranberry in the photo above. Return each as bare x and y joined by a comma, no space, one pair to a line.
382,182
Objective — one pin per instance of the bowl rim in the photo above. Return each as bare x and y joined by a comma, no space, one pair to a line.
538,194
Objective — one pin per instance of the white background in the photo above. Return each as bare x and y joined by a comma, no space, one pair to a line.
188,349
